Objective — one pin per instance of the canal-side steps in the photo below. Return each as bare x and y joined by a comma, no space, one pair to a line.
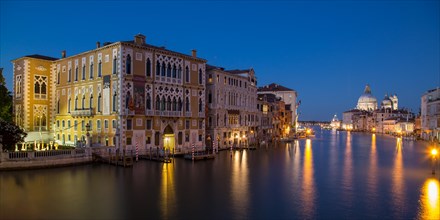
125,161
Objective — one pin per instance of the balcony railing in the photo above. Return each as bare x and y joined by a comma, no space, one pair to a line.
82,113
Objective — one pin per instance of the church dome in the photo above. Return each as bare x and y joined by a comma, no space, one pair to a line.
387,103
367,101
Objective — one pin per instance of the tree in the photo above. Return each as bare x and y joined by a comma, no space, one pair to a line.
12,134
5,100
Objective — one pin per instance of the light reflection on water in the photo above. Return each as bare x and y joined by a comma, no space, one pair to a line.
337,175
308,192
398,188
429,200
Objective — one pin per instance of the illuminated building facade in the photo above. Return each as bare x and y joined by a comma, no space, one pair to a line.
128,93
231,96
430,115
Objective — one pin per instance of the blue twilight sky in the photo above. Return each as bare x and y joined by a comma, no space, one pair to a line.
325,50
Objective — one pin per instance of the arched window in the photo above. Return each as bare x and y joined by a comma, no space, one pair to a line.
76,103
200,105
83,102
58,78
169,104
162,104
69,76
174,104
179,106
157,103
76,73
84,72
200,76
91,101
148,104
148,68
91,70
209,98
99,103
157,68
186,74
163,69
179,72
114,65
128,64
99,68
174,71
169,70
187,104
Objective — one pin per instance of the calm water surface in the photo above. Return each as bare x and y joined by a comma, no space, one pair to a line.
336,175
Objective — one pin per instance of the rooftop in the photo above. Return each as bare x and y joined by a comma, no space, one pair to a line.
274,87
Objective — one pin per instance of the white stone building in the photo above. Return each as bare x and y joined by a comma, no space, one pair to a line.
231,97
430,114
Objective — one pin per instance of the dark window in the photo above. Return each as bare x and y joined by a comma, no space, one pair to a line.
58,77
76,103
157,68
200,76
99,68
148,100
128,140
179,72
68,105
91,70
129,127
149,124
84,72
179,138
114,65
157,103
200,137
186,74
209,98
200,105
163,69
128,64
174,71
58,107
99,103
186,137
186,124
76,73
69,75
114,102
169,70
148,68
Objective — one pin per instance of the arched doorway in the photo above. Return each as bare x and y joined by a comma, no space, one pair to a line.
168,139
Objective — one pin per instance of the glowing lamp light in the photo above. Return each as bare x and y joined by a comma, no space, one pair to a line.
434,152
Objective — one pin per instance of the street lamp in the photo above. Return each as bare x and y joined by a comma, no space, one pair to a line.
434,157
88,135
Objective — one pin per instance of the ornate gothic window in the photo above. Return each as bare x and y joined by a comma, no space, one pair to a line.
163,69
187,74
187,104
179,106
174,71
148,100
40,117
179,72
174,104
169,104
18,86
162,104
157,103
40,87
148,68
169,70
157,68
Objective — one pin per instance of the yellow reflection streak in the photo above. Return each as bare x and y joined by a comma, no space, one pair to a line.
168,192
397,181
373,172
347,177
240,183
308,194
429,200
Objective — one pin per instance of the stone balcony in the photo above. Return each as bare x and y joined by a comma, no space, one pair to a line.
82,112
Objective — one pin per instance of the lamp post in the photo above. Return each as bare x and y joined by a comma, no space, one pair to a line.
434,158
88,144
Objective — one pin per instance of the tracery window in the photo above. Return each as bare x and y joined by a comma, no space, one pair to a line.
40,87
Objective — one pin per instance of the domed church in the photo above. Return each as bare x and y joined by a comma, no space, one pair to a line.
366,101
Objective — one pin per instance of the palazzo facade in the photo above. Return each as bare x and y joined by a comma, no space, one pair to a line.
127,93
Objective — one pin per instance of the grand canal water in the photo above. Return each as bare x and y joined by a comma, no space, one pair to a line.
336,175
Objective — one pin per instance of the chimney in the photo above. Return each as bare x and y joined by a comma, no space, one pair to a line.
63,54
139,39
194,53
98,45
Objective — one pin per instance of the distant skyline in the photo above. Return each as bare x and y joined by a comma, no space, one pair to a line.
325,50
